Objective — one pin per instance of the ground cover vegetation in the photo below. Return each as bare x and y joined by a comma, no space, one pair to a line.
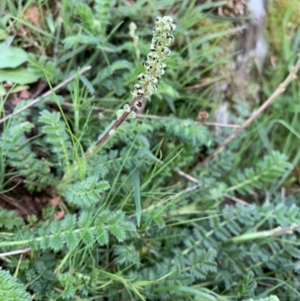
105,124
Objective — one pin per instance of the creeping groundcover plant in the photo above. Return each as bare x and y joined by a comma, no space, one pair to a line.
83,229
125,227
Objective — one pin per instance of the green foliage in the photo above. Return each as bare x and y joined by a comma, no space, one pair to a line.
264,174
45,69
85,193
130,227
19,75
188,131
103,14
16,150
57,138
9,219
109,70
93,21
69,231
11,56
10,289
11,69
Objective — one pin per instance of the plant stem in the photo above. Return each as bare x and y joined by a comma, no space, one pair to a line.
133,108
62,84
280,89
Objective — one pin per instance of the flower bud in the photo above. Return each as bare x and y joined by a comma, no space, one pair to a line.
167,19
126,108
159,51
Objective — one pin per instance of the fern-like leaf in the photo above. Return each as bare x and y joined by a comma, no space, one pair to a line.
86,15
265,172
16,149
10,289
45,69
103,14
56,136
9,219
85,193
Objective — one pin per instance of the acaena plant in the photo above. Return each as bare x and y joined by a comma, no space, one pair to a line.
155,67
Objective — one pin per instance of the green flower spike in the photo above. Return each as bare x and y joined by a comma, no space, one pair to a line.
159,51
155,68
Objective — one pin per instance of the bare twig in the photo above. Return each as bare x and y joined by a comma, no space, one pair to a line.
203,84
22,251
201,123
188,177
134,106
280,89
237,200
194,180
149,116
217,124
62,84
15,203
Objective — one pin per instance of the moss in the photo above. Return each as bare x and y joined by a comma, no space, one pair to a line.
278,11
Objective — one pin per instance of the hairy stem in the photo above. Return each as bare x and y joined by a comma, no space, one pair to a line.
134,104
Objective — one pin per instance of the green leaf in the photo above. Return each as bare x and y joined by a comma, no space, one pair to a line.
50,22
56,242
109,70
127,226
135,181
12,57
9,219
3,34
87,237
118,232
10,289
102,237
71,41
159,221
19,75
200,294
116,217
71,240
